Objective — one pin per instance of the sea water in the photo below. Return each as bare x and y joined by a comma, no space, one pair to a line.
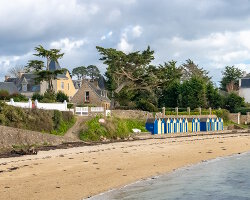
224,178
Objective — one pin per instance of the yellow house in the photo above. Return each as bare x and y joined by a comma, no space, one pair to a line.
63,82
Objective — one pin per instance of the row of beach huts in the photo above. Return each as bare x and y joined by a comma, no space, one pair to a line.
183,125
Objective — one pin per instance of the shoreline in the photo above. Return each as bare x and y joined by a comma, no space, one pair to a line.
185,167
82,172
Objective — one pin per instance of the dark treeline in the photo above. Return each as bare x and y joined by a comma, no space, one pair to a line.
134,82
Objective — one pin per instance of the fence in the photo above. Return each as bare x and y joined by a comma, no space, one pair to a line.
82,111
97,109
52,106
20,104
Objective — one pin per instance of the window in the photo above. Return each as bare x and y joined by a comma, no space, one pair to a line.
87,96
24,87
62,85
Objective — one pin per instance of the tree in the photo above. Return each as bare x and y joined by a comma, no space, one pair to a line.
190,69
93,72
193,93
234,102
230,79
52,54
214,99
81,72
42,72
15,71
131,70
61,97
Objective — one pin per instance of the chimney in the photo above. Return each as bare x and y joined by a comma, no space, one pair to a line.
6,78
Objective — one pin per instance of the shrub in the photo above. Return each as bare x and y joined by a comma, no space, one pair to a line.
233,102
4,95
112,128
37,96
49,97
145,105
18,97
61,97
70,105
223,113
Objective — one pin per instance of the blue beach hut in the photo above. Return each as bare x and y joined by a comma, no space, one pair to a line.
168,125
186,125
204,124
152,125
174,126
171,130
163,126
220,124
212,124
177,125
193,125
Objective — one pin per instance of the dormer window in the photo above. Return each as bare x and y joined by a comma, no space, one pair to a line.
24,87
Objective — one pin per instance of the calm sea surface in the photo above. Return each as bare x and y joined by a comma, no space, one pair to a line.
223,178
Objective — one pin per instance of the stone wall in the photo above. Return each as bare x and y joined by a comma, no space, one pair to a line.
131,114
12,136
236,117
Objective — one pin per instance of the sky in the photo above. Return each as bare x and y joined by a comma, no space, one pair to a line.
212,33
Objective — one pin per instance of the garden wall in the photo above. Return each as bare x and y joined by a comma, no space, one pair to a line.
12,136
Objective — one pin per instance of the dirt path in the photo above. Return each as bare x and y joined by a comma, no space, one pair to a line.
74,130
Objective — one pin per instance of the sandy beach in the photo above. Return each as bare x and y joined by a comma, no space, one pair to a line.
81,172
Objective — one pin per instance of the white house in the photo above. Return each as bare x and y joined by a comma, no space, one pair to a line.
244,88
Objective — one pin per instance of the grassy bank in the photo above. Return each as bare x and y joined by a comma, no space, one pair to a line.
48,121
112,128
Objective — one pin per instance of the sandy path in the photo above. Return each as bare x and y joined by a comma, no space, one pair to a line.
74,130
84,171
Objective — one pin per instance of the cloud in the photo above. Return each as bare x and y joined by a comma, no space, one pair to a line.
104,37
67,45
137,31
212,33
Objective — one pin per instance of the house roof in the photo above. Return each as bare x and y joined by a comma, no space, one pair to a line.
99,92
54,65
245,83
9,86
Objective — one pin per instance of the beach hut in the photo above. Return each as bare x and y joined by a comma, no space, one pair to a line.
193,125
198,125
167,125
174,126
220,124
216,124
212,124
186,126
177,125
159,126
204,124
183,125
152,125
163,126
171,130
180,126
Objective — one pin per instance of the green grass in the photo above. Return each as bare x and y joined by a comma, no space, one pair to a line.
228,123
113,128
64,126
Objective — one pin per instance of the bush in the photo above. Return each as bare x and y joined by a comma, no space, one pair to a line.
61,97
49,97
49,121
18,97
70,105
234,102
111,129
4,95
37,96
147,106
223,113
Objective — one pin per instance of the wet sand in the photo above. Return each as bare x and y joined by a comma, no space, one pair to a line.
81,172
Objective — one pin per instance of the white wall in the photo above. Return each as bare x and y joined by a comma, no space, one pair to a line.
245,92
52,106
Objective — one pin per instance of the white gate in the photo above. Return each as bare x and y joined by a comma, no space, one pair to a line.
82,111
